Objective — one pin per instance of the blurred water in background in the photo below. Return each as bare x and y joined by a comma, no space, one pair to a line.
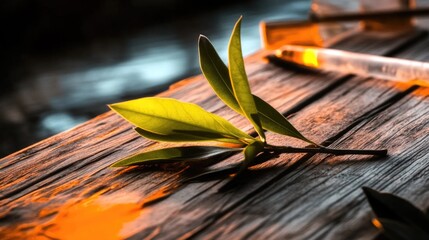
66,87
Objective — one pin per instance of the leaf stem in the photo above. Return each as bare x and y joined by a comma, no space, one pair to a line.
286,149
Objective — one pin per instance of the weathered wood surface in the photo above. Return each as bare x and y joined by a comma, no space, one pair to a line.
65,179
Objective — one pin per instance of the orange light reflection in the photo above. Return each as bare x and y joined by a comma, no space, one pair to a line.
377,223
93,218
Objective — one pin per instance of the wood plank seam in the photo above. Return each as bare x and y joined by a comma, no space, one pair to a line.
370,114
406,44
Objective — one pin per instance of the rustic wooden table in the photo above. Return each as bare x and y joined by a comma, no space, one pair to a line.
62,187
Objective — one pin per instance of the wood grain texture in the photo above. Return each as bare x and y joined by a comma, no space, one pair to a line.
322,197
295,196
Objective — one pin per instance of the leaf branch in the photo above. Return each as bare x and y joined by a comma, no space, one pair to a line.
286,149
170,120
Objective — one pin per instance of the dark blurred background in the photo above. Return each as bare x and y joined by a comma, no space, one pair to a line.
64,60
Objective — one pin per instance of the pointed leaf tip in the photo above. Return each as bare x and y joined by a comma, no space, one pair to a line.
201,38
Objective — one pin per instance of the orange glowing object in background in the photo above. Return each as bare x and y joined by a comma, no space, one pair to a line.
275,35
394,69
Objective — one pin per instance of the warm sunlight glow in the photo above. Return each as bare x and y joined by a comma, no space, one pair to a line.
301,33
424,83
92,219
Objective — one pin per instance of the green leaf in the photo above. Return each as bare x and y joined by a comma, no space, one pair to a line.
395,230
250,152
166,116
177,154
274,121
389,206
186,136
239,82
217,74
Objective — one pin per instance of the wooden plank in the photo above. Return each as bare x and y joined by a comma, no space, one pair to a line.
322,198
351,100
61,171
